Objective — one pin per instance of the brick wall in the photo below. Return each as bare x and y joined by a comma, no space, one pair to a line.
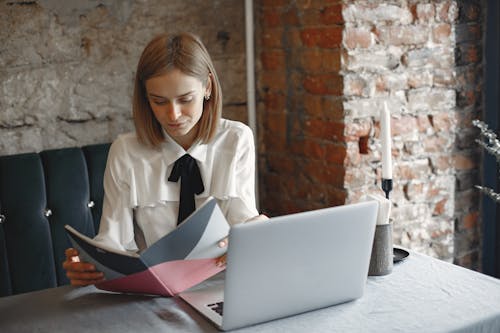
302,140
469,28
327,67
67,67
324,70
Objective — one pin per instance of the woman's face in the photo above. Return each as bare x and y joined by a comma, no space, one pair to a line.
177,103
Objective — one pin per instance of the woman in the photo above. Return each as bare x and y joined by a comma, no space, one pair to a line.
179,133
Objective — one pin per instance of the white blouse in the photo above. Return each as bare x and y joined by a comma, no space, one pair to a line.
140,204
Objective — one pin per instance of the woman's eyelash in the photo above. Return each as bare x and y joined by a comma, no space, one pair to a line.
183,101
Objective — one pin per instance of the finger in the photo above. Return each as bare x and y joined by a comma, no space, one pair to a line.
78,266
71,252
221,261
85,276
223,242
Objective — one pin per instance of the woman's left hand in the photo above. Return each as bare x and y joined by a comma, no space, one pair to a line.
221,261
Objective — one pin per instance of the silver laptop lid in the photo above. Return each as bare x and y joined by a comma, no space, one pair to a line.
296,263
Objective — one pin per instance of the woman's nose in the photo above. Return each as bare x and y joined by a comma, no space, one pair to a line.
173,112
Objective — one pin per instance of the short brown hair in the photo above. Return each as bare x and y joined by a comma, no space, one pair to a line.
186,53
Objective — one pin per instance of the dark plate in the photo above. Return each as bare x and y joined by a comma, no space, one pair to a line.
399,254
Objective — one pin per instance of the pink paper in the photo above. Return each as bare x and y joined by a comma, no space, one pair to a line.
165,279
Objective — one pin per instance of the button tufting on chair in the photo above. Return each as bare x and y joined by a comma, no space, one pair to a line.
63,179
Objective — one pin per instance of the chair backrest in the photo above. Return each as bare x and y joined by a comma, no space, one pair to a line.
39,194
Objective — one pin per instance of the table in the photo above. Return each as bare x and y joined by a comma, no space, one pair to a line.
422,294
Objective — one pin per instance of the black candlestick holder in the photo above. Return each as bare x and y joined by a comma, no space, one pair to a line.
386,186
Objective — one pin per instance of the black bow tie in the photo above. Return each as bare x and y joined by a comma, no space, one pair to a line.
191,184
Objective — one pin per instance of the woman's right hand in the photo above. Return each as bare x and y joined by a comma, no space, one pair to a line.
80,273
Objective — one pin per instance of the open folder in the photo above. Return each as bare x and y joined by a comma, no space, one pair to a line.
181,259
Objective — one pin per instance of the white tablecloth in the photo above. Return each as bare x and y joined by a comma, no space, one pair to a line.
422,294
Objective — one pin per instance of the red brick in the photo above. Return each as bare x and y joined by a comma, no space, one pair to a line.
435,144
324,84
442,122
325,174
439,207
467,32
301,187
466,98
355,85
469,11
445,78
272,38
309,17
324,129
441,33
311,60
332,15
402,34
335,196
330,37
471,220
274,102
292,38
335,153
275,123
442,163
281,164
290,17
423,122
331,60
333,108
424,12
272,181
402,125
310,37
271,18
313,105
274,142
468,53
318,4
446,11
272,60
411,170
363,145
461,161
273,3
273,80
358,37
313,149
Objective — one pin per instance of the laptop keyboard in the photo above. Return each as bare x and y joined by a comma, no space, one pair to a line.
217,307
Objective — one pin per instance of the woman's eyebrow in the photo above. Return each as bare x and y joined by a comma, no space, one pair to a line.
180,96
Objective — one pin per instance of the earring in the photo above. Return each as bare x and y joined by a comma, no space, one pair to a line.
207,97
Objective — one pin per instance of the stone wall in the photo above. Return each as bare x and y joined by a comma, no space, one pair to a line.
67,67
327,67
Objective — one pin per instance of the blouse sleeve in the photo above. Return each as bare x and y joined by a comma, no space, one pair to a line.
242,207
116,227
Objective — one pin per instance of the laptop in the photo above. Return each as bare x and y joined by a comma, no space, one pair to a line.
289,265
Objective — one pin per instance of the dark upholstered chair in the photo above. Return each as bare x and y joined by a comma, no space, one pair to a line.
39,194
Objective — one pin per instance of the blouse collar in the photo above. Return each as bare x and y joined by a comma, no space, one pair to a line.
172,150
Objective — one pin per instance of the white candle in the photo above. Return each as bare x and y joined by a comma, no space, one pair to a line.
385,136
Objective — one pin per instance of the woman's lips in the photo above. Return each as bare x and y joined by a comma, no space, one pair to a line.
176,125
